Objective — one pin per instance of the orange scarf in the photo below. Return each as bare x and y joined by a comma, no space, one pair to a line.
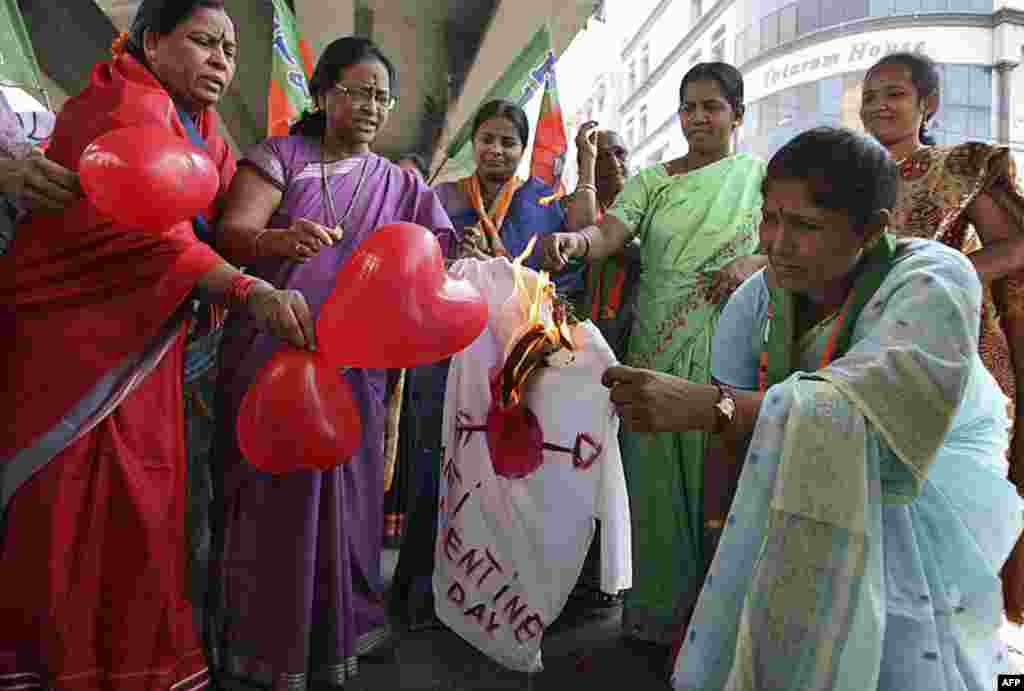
490,222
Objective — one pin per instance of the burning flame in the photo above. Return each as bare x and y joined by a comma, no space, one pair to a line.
544,329
536,304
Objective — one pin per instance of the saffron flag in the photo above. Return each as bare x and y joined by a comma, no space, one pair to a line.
550,144
291,65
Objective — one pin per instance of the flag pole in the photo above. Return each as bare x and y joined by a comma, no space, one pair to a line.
437,172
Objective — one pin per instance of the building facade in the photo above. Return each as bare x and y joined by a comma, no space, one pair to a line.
804,63
659,42
665,41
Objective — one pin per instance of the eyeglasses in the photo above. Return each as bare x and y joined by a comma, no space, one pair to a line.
362,95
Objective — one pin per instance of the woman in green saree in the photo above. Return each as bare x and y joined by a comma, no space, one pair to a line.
696,218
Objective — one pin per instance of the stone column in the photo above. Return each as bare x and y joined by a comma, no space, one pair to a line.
1004,86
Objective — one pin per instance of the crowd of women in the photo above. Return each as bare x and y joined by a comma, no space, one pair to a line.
821,355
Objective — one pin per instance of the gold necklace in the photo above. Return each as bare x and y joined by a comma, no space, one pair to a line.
339,224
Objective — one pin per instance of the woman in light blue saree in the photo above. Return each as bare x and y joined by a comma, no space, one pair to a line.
863,547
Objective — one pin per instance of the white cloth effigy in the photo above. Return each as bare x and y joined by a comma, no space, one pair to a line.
509,551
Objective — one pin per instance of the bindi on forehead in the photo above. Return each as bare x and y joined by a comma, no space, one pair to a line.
370,73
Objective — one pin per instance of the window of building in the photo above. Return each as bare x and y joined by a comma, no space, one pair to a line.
830,100
880,8
833,12
787,23
753,42
789,108
799,17
602,91
630,134
883,8
769,114
770,31
751,121
980,89
805,105
980,125
854,10
966,105
808,16
718,44
645,62
658,155
954,121
956,84
643,123
718,51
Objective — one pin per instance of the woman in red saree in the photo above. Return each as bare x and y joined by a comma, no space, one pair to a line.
92,476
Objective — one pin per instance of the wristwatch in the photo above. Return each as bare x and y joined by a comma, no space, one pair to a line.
725,409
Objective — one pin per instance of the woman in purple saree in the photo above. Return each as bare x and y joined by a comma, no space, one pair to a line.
297,593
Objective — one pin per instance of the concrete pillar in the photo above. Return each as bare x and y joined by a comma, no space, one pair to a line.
1004,86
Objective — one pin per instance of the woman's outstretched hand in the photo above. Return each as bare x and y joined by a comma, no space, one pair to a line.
39,184
649,401
558,248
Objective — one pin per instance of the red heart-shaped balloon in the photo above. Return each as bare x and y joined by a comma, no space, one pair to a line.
515,441
298,414
147,177
394,305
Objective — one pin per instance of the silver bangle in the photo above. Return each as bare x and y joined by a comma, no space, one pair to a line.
586,186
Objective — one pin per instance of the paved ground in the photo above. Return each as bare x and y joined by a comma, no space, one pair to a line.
579,653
